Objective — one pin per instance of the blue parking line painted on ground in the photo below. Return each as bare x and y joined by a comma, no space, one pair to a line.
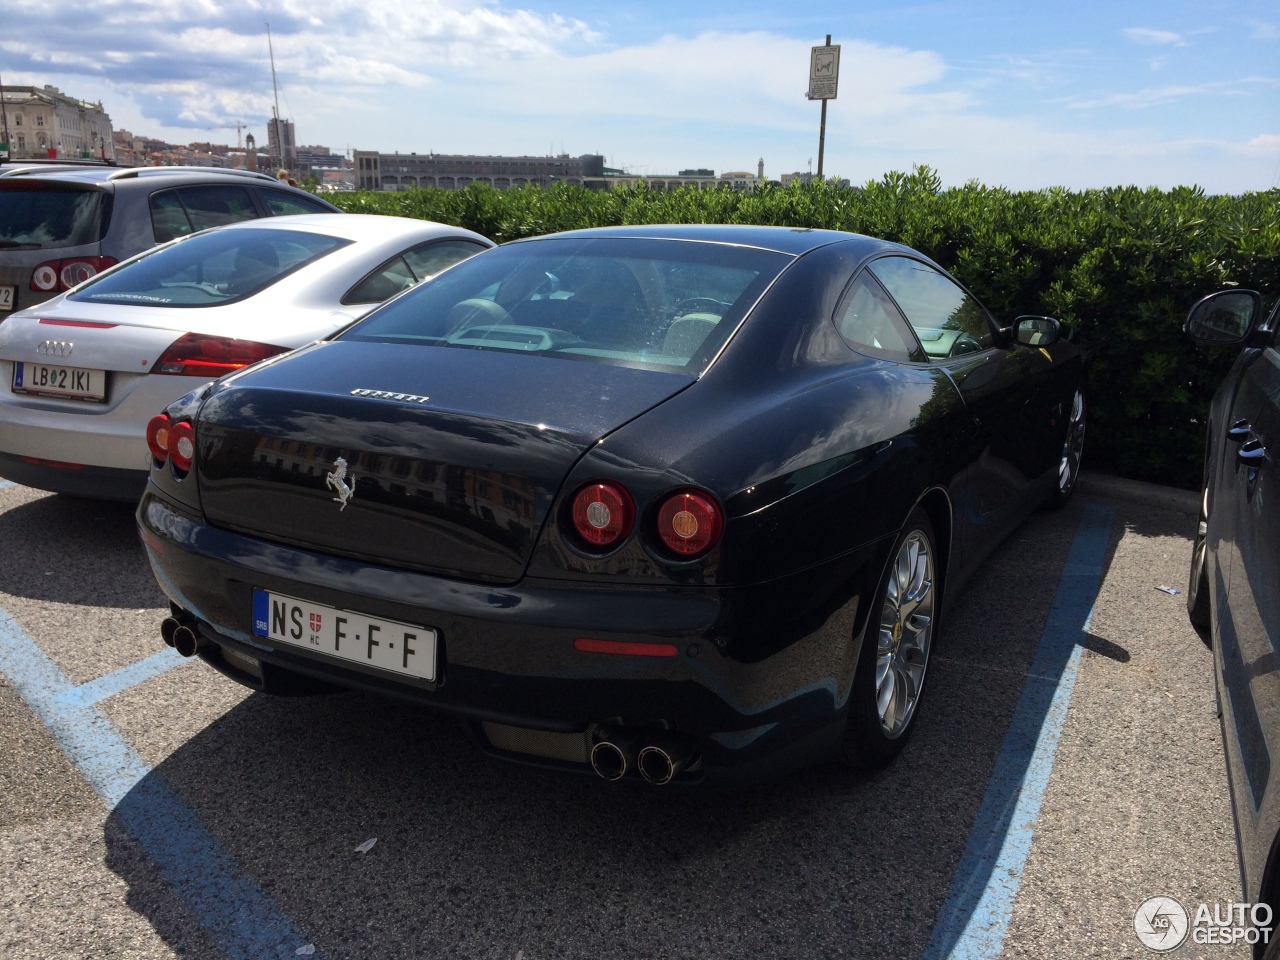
975,917
95,691
238,915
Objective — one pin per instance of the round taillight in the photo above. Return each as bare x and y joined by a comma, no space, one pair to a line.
158,437
690,522
76,271
45,277
182,445
603,513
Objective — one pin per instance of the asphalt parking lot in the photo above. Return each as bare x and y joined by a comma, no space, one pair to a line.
1067,766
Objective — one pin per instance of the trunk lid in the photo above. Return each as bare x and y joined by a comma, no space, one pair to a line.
458,483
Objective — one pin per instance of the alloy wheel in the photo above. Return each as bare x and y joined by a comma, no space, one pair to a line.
906,633
1072,447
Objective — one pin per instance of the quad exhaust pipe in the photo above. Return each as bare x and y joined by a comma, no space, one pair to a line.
180,636
658,755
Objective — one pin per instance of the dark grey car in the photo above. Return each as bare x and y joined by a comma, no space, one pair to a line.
1234,595
61,225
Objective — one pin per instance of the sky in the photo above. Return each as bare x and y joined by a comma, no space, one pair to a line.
1024,95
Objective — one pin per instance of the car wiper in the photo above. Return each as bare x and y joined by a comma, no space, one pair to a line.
11,244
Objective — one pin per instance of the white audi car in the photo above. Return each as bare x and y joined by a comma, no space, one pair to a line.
82,373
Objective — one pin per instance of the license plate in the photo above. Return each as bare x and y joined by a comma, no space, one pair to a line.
401,648
8,296
70,383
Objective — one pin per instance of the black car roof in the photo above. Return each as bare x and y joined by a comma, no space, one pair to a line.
792,240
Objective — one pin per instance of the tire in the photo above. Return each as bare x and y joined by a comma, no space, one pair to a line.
1198,610
1072,452
889,681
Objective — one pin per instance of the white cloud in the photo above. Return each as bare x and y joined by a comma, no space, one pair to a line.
1155,38
1261,30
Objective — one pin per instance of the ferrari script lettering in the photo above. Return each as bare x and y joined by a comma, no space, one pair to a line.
388,395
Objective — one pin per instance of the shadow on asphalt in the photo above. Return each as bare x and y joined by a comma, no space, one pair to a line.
476,858
70,550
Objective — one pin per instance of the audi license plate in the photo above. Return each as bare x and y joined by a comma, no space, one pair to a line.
65,383
402,648
8,296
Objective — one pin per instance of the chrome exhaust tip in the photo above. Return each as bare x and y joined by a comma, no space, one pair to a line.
185,641
614,753
663,757
608,761
168,626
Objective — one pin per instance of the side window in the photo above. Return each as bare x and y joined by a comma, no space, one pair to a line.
168,219
430,258
948,321
870,323
214,205
282,204
386,281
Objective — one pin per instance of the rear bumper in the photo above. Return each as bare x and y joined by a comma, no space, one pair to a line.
760,680
78,480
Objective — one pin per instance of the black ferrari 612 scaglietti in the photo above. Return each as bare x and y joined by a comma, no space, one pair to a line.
683,503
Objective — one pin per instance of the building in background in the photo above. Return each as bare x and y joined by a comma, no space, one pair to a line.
282,146
45,122
400,171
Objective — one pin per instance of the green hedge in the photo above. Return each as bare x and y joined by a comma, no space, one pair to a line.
1120,265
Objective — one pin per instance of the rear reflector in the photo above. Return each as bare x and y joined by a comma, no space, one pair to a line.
199,355
625,648
55,464
89,324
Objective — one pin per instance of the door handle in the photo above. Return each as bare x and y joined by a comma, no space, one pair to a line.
1239,431
1252,453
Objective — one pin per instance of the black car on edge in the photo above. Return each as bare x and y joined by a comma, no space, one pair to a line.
1234,592
685,503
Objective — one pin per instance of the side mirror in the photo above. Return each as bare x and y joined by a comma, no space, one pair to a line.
1224,318
1036,331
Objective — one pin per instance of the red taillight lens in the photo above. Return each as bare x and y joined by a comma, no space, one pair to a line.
158,437
45,277
199,355
690,522
182,445
603,513
65,274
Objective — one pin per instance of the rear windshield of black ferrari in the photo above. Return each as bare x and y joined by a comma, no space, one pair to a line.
669,304
210,269
38,216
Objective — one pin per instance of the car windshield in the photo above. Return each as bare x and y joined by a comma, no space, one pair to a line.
35,216
210,269
667,304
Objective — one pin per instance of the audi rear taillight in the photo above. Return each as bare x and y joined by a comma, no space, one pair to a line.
182,445
200,355
690,522
62,275
158,437
603,513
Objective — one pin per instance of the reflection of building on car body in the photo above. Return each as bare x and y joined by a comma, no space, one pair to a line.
680,503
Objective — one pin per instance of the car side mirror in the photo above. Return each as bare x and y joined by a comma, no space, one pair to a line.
1036,331
1224,318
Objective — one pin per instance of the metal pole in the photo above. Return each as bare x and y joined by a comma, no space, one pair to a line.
822,129
4,121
